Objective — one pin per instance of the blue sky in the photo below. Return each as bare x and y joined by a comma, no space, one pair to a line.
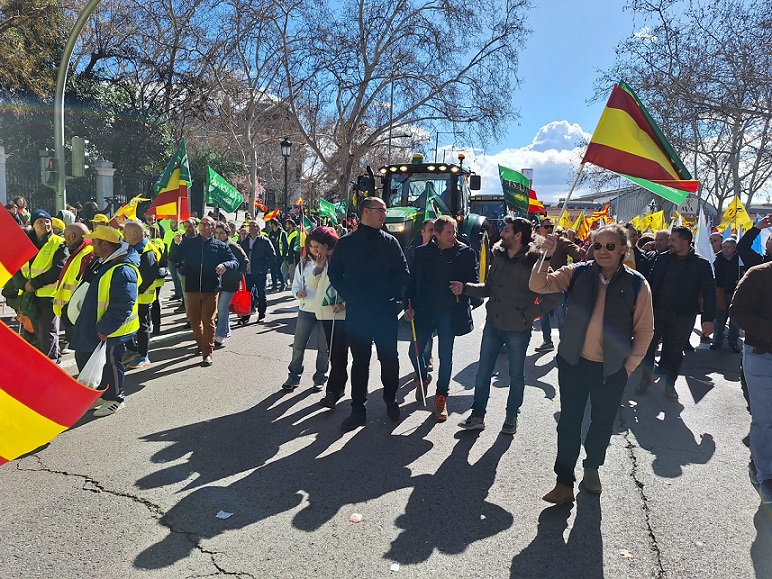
570,42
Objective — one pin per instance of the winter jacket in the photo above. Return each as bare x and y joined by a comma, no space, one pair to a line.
750,257
301,281
511,306
325,296
751,307
261,255
678,283
369,271
200,257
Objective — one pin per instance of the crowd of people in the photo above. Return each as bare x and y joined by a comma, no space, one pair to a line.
614,297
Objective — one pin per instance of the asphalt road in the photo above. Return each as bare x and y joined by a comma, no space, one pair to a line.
137,494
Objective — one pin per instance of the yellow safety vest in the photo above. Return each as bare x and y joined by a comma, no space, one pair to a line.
148,296
131,324
160,247
70,279
41,264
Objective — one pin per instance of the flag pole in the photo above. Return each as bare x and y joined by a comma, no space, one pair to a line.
565,206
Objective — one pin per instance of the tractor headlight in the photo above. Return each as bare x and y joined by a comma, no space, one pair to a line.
395,227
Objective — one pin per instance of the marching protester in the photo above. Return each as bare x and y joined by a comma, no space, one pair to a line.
204,260
149,260
81,253
511,310
278,238
435,307
609,325
751,309
261,255
680,281
330,310
427,233
109,313
229,281
369,271
293,249
305,324
37,279
726,268
745,244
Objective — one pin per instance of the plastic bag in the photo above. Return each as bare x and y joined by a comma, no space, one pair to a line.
241,302
91,375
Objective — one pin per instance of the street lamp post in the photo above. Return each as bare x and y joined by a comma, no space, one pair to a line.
286,149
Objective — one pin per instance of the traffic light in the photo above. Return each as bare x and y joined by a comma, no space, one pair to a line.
49,168
78,156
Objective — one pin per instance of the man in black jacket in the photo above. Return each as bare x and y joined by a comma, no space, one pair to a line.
261,255
368,269
435,265
678,278
205,259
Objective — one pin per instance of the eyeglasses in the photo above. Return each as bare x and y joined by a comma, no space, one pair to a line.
609,246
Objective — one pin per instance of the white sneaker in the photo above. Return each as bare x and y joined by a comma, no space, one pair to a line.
98,403
108,407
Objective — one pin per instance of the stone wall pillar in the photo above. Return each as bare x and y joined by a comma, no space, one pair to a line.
3,181
104,181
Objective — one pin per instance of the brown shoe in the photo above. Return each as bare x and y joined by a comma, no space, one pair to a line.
440,408
591,481
560,495
420,390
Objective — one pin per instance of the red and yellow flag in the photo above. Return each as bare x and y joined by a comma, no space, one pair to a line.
260,206
129,211
172,188
582,226
36,406
271,215
16,249
534,205
628,141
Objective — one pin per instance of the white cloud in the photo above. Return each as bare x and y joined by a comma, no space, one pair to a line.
553,155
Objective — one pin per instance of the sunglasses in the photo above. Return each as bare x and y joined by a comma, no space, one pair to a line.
609,246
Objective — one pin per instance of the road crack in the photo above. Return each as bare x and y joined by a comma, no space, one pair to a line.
93,486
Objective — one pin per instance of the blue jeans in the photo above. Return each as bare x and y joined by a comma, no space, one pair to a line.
175,278
223,329
492,342
303,327
426,324
546,323
758,374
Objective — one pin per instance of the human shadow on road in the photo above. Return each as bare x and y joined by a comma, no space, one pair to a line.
371,463
761,549
549,555
448,510
658,427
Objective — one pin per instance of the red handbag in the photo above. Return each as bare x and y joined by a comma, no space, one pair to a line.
241,302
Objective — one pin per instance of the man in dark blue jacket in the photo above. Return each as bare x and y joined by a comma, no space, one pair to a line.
368,269
261,255
205,259
108,313
435,265
678,278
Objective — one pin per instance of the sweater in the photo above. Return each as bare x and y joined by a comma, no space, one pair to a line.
751,307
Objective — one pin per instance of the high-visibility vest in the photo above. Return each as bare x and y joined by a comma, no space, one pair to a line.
41,264
160,248
69,281
291,239
148,296
131,324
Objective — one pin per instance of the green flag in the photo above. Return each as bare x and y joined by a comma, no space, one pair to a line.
327,209
516,187
340,207
220,192
676,196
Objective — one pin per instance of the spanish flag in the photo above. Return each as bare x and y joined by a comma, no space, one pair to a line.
35,405
16,249
628,142
271,215
172,188
534,205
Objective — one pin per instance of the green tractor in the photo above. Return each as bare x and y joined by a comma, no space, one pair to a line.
416,190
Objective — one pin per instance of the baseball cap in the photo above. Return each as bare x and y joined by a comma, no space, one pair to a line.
100,218
105,233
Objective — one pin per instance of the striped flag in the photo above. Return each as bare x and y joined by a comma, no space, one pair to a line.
16,249
628,142
172,188
534,205
36,406
271,215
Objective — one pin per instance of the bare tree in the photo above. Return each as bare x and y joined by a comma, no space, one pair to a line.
703,70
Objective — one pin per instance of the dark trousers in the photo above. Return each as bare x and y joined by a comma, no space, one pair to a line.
256,285
673,329
47,330
155,311
142,336
362,331
577,384
337,342
112,377
277,277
